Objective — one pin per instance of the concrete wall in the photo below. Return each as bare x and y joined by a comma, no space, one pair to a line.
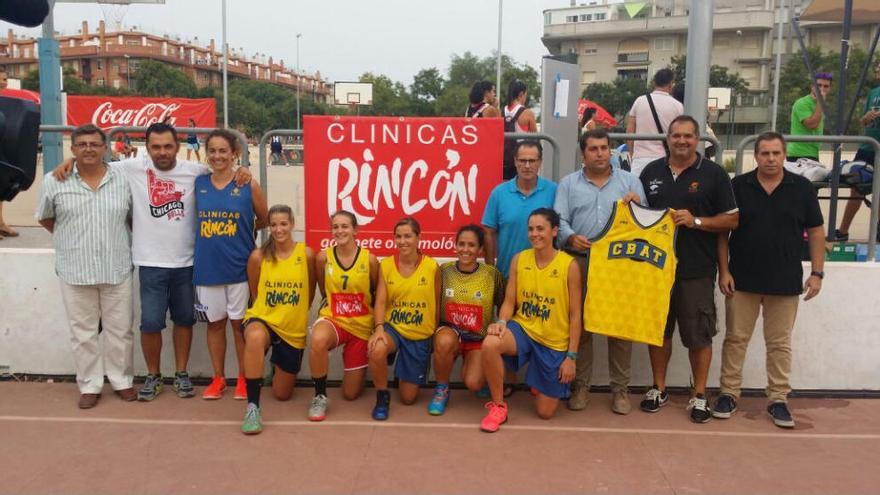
835,343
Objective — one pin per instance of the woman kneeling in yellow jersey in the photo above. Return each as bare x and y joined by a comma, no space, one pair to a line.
282,283
405,318
545,290
471,292
347,276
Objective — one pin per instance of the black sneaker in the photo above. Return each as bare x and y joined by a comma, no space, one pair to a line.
841,236
725,406
654,400
699,408
781,417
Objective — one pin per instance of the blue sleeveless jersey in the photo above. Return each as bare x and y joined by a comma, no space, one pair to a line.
225,236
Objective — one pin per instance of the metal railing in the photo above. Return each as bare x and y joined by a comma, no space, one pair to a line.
261,151
554,166
835,179
719,150
181,132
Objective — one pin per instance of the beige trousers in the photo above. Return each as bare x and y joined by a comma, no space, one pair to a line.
742,313
93,356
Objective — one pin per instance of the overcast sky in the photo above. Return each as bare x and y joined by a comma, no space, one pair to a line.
341,38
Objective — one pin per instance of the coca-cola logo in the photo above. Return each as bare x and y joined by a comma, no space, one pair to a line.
106,115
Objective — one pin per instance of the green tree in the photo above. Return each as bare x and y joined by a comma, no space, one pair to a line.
427,86
155,78
389,97
453,101
31,81
719,76
616,97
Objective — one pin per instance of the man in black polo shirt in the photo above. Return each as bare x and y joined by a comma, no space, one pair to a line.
699,190
765,273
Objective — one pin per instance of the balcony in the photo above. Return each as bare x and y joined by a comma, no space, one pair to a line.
725,21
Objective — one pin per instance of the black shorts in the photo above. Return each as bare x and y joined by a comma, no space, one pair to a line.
693,307
866,156
284,355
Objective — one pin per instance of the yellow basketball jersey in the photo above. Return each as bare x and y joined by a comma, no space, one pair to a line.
632,270
542,299
348,300
411,302
282,296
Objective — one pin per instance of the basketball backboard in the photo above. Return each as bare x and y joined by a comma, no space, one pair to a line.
719,98
353,93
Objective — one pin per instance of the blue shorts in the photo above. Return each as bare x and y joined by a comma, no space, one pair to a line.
413,357
164,289
544,363
287,357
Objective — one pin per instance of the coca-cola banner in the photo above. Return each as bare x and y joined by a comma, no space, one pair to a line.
109,111
438,170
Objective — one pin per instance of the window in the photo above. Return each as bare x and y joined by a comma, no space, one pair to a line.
600,17
548,18
588,78
117,83
586,17
132,42
628,58
591,48
99,64
100,81
571,18
664,44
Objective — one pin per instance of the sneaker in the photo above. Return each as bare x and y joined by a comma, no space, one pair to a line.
152,387
496,417
437,406
579,399
253,420
318,409
183,385
841,236
215,389
781,417
699,408
654,400
380,410
240,389
725,406
620,403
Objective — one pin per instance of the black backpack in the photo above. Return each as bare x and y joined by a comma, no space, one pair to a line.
509,169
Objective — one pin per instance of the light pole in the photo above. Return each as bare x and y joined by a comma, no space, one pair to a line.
127,58
498,55
225,71
298,82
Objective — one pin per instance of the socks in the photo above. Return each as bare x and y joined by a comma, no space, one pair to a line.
321,385
253,390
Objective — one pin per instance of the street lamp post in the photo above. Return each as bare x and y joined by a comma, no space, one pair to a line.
225,71
298,82
498,55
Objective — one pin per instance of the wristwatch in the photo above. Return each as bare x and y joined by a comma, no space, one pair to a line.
814,273
698,223
571,355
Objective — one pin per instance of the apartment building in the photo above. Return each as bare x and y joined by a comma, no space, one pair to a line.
110,58
634,39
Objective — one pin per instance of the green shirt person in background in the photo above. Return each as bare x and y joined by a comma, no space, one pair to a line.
871,121
807,120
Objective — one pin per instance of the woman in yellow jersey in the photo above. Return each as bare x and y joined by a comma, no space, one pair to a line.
471,293
282,284
544,289
406,316
347,276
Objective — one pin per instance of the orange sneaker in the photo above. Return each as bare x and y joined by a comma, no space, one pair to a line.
215,389
240,389
496,417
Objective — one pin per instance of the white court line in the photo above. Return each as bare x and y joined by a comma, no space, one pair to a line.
458,426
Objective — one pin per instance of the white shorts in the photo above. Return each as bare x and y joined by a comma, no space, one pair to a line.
215,302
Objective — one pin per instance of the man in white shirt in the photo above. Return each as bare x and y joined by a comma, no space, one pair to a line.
640,120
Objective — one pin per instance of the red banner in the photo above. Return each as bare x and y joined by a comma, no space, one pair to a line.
110,111
437,170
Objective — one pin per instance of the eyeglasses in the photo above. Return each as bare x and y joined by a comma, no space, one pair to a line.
88,146
527,162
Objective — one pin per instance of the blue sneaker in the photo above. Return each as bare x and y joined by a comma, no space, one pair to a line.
484,393
441,397
380,410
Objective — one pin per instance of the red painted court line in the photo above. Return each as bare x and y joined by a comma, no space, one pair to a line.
468,426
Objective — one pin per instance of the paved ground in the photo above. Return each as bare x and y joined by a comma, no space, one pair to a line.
194,446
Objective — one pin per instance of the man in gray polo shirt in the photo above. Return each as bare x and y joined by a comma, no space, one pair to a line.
88,216
585,200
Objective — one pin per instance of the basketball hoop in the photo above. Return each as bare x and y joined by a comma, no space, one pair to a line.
114,10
